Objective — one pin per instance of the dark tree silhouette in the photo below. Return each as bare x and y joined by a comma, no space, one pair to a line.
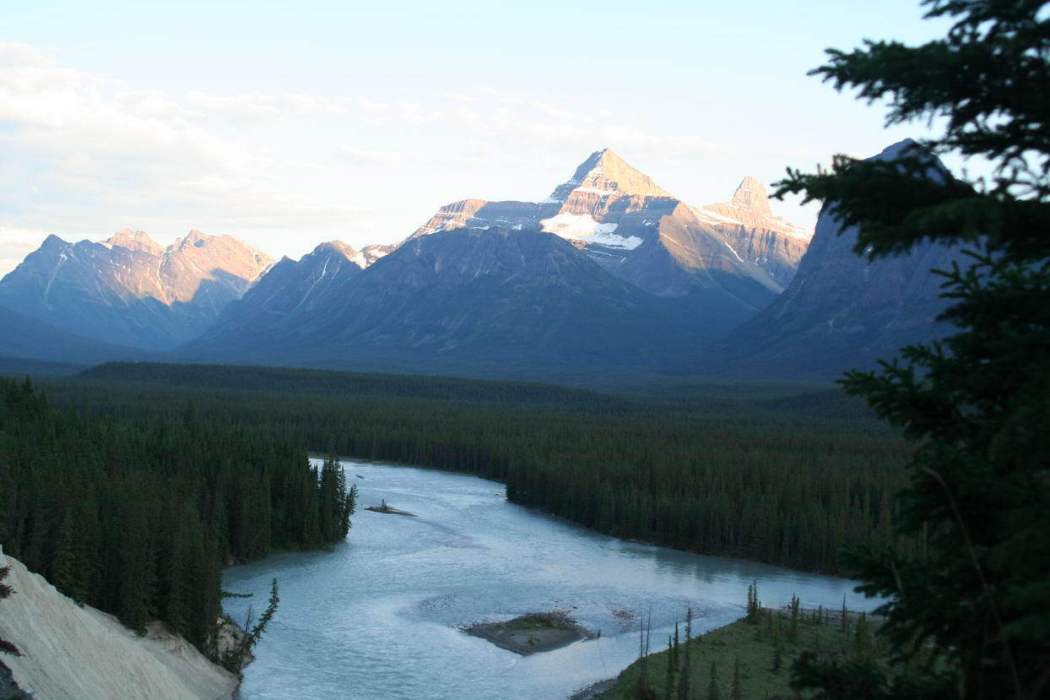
967,611
5,592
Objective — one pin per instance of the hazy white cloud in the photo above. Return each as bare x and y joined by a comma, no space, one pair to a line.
366,156
82,155
262,108
15,244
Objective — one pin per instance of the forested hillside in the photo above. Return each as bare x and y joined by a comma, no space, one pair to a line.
784,480
133,507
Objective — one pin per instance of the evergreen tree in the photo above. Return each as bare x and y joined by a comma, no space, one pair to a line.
976,594
5,592
754,606
644,627
862,639
136,576
64,564
264,619
136,511
713,693
737,691
236,657
796,613
669,680
349,503
675,650
683,682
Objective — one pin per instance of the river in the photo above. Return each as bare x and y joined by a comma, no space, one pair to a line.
379,616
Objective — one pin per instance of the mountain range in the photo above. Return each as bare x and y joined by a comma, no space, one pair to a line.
736,254
130,291
611,275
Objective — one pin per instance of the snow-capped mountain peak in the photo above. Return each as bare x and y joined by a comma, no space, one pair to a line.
622,219
362,258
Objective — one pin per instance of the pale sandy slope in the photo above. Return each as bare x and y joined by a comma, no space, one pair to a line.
79,652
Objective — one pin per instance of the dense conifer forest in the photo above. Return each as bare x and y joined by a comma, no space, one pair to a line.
772,477
134,506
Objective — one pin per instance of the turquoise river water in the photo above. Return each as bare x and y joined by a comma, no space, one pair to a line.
380,616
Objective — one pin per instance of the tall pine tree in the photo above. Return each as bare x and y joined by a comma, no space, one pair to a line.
977,596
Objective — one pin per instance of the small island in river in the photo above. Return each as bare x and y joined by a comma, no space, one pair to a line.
388,509
532,633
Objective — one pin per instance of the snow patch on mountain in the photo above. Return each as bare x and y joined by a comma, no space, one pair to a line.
733,251
358,259
708,216
584,228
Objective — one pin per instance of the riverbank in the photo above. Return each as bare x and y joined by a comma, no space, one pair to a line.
72,651
755,655
595,691
533,633
397,597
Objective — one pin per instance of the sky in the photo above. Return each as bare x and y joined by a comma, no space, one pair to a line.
287,124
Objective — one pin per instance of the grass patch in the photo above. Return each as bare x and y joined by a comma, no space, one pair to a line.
748,648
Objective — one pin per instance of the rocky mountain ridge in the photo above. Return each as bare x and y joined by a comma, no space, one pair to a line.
480,302
609,274
484,285
638,231
843,310
128,290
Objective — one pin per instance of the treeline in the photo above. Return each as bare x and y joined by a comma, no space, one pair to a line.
737,478
358,385
135,512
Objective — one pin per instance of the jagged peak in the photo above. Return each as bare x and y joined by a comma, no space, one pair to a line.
133,239
199,239
53,241
339,247
749,207
605,172
194,238
600,160
751,195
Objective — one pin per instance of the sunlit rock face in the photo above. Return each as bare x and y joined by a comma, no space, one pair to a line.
748,225
129,290
737,253
610,273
